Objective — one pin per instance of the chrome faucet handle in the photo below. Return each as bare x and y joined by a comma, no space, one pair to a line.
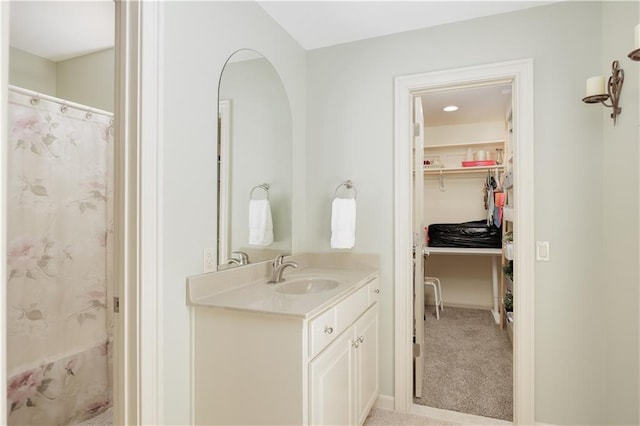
244,257
279,259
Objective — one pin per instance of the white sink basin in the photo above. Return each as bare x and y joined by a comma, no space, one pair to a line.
307,285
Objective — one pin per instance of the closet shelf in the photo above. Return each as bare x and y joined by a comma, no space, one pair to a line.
447,170
464,145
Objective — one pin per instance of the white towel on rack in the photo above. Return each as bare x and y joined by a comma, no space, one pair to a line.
260,223
343,223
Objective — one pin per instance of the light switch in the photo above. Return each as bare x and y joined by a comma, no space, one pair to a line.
542,251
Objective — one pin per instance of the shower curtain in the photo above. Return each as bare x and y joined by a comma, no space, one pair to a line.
60,259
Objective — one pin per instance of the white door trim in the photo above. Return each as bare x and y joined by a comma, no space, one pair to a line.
4,84
521,74
224,202
138,386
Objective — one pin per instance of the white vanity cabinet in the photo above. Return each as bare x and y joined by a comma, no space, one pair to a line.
252,367
344,378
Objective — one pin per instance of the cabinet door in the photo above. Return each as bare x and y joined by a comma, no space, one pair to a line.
331,391
366,362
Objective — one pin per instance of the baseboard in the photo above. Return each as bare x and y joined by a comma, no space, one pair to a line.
386,402
448,416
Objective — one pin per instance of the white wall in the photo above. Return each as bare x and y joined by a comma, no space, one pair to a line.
350,135
198,38
487,131
621,179
88,79
32,72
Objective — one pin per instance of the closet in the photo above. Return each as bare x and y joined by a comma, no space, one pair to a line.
465,206
463,151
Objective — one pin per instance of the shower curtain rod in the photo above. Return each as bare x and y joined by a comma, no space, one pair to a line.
59,101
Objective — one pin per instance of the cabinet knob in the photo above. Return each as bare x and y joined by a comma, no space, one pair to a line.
376,291
355,344
360,339
328,330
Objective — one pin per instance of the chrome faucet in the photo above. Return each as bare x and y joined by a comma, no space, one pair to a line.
278,260
232,261
244,257
277,272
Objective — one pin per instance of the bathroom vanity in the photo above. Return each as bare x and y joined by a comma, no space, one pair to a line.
304,351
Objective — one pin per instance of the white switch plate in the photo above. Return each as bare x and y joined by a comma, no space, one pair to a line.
542,251
208,260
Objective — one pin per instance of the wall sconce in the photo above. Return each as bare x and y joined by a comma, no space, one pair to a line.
635,55
596,93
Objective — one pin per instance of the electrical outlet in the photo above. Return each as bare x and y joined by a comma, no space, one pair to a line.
208,260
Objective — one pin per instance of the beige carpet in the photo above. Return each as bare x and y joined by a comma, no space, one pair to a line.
468,364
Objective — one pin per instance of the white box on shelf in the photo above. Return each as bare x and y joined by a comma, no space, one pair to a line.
508,250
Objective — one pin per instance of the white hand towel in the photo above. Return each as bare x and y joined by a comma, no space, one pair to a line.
343,223
260,223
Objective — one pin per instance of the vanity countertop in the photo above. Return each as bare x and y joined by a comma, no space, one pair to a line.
258,296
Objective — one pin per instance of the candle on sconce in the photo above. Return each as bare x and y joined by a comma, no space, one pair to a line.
595,86
638,36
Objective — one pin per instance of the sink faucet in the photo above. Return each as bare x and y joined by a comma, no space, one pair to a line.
277,272
278,260
244,257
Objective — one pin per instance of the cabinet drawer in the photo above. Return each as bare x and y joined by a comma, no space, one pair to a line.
322,330
351,308
328,325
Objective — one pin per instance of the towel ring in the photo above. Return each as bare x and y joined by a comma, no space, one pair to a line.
349,185
264,187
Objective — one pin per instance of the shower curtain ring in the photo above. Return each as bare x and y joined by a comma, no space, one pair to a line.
64,108
35,100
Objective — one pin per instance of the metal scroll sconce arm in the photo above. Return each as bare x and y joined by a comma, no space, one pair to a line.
614,87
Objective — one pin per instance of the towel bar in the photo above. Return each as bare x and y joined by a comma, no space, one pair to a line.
263,186
349,185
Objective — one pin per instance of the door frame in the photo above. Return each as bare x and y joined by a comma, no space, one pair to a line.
224,177
138,352
4,88
520,72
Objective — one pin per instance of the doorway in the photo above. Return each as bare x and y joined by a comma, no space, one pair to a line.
519,73
465,358
136,134
60,178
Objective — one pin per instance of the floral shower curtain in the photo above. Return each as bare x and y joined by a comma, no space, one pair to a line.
59,245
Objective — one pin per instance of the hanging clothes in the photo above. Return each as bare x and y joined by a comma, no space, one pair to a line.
499,198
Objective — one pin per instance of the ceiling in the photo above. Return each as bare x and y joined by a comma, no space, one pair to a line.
59,30
316,24
476,104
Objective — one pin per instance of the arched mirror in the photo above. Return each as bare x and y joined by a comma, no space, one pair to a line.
255,163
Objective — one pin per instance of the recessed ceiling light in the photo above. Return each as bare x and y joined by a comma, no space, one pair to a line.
450,108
